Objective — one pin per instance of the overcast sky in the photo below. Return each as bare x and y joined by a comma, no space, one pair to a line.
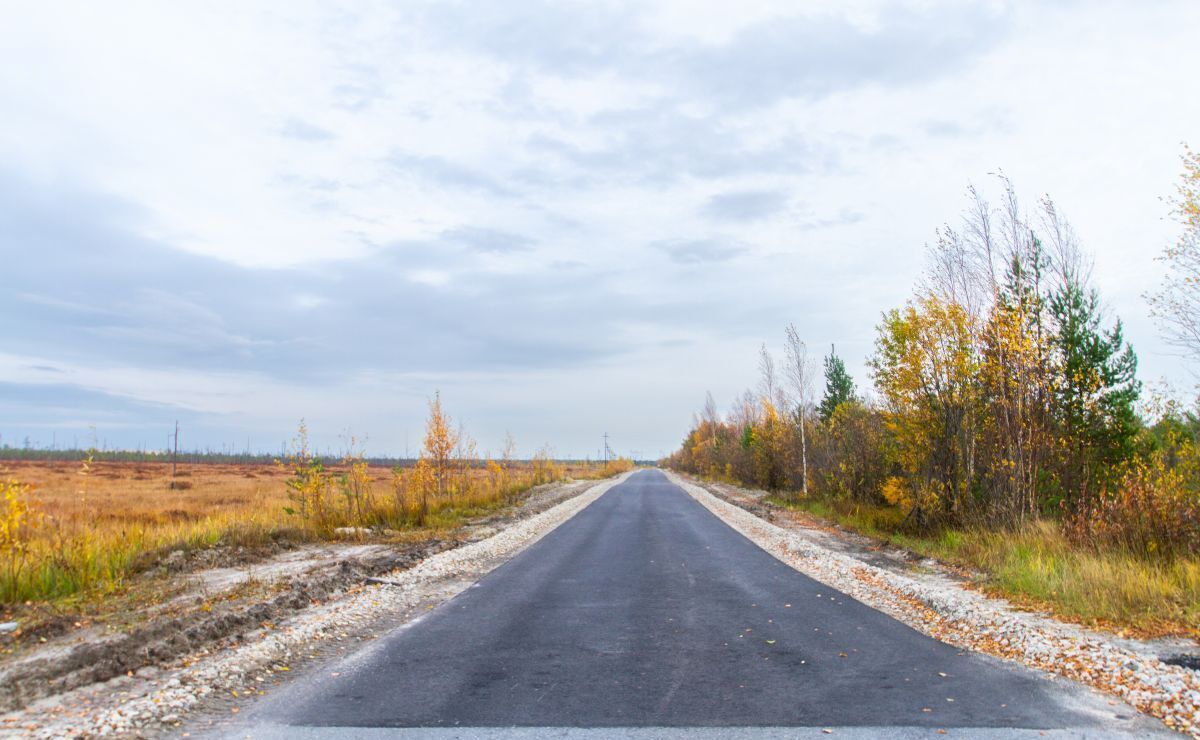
570,218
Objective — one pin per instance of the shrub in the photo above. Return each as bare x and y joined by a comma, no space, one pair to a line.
17,521
1152,510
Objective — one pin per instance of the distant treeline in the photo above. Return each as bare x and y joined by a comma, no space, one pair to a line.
198,457
208,457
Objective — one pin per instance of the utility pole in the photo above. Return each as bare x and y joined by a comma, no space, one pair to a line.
606,448
174,454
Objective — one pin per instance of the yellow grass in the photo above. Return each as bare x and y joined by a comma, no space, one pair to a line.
1036,566
92,532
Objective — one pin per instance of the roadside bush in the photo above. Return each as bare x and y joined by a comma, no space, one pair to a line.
850,455
17,520
1153,510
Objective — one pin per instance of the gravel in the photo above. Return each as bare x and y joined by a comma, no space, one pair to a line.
941,607
159,700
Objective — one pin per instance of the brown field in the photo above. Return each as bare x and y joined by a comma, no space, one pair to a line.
135,494
90,528
139,494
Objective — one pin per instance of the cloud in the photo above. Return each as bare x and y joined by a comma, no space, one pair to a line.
49,405
445,173
806,56
784,55
946,129
661,145
410,307
700,251
494,241
845,217
566,39
744,205
534,204
295,128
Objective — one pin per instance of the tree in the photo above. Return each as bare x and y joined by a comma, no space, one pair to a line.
926,370
1015,379
769,387
1096,387
1176,305
799,372
438,451
508,452
851,454
839,386
767,444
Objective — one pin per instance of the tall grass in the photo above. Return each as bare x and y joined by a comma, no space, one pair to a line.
1037,565
62,557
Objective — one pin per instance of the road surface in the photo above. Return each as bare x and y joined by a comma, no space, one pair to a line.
647,611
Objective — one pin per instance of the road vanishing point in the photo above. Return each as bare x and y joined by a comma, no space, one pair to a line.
646,616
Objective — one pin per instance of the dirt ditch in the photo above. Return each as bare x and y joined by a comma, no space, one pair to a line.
59,668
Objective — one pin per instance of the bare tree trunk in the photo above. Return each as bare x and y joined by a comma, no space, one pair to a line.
803,452
800,373
174,455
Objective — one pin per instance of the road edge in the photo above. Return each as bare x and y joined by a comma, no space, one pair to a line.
967,619
211,677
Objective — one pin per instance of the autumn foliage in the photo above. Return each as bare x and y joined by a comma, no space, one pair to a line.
449,476
1003,396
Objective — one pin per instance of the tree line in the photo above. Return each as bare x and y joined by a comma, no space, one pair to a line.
1001,392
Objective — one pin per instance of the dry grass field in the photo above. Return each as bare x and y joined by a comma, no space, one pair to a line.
139,494
81,531
1037,567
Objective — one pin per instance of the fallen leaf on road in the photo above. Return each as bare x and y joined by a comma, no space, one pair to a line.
841,655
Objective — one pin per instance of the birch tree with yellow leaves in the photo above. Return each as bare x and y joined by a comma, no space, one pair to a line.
926,370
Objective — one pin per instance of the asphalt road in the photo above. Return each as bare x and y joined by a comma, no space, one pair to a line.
646,611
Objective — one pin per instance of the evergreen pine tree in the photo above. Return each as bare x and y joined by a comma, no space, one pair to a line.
1095,387
839,386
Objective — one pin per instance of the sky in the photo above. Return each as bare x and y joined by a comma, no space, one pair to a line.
569,219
